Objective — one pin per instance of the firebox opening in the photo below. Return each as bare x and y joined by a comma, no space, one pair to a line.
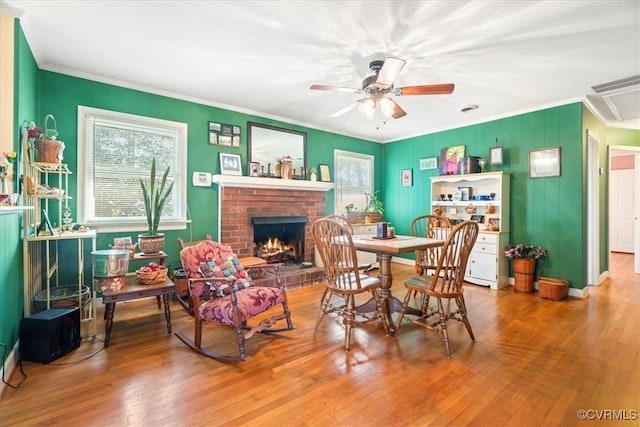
280,238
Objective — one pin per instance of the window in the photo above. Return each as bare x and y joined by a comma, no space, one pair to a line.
354,178
115,151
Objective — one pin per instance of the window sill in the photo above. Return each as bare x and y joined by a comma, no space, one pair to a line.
102,227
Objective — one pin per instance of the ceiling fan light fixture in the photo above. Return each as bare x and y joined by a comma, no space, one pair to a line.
386,107
368,108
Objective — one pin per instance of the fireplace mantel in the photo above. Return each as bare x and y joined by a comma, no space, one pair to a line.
272,183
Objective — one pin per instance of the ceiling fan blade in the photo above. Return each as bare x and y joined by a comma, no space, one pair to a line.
440,89
397,110
335,88
347,108
389,71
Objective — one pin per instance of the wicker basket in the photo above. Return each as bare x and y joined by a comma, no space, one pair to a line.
152,277
49,150
523,271
551,287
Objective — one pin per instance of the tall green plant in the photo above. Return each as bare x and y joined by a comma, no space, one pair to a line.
155,198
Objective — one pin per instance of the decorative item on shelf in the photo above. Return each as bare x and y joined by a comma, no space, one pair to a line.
286,167
489,209
449,159
470,209
524,258
482,163
125,243
48,147
154,198
313,174
6,160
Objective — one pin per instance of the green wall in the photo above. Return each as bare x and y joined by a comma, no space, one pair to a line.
544,211
11,261
61,95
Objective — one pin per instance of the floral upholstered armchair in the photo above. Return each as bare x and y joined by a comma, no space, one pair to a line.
221,291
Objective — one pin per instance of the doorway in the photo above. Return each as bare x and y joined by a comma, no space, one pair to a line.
624,202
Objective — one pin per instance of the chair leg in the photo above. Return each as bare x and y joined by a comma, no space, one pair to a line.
407,297
323,306
443,327
348,320
463,313
240,340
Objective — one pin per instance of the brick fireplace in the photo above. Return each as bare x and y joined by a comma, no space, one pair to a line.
241,198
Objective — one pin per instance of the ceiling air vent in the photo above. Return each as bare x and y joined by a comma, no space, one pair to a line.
617,84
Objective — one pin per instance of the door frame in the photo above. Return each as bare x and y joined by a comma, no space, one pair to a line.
636,208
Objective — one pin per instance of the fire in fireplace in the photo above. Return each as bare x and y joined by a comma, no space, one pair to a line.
279,238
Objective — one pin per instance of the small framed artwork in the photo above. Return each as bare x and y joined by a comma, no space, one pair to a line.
465,193
201,179
224,134
324,173
230,164
477,218
428,163
544,163
493,224
406,177
254,169
495,155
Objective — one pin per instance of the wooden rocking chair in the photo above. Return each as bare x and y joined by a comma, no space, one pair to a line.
222,292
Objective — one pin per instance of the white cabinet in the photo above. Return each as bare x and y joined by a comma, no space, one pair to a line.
485,194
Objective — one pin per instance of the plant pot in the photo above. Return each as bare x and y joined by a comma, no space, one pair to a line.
524,271
363,217
151,244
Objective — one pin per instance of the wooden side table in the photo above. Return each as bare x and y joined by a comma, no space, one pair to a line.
133,290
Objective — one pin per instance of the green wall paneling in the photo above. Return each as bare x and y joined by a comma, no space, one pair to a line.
11,289
544,211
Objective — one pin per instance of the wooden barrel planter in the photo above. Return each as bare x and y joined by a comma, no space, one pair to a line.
524,272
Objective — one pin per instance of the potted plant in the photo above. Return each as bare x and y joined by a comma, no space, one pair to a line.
371,213
524,256
154,196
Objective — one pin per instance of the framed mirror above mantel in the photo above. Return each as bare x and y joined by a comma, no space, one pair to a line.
269,144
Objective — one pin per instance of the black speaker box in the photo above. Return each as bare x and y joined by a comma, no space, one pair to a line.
49,334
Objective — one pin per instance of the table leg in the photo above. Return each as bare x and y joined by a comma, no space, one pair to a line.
109,309
385,276
167,311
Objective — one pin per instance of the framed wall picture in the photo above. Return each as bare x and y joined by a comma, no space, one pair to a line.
230,164
45,228
428,163
224,134
465,193
324,173
544,163
495,155
477,218
406,177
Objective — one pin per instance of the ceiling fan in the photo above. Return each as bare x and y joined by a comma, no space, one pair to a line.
380,84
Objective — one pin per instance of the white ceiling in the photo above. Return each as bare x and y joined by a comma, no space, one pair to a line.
260,57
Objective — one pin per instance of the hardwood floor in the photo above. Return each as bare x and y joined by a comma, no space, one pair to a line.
535,362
